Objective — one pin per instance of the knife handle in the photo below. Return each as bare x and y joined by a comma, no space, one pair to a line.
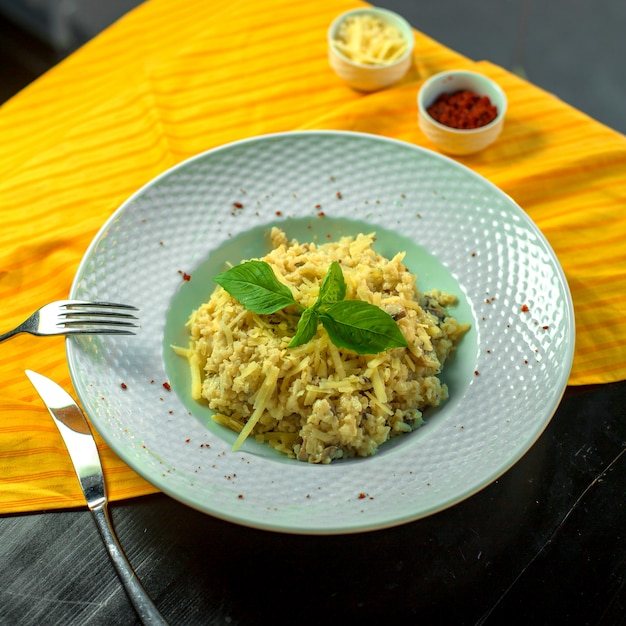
143,605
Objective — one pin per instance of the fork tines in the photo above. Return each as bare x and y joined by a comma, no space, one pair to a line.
103,317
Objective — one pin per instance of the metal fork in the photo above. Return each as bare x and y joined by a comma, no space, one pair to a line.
78,317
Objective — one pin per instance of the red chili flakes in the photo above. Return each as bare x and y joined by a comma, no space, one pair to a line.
463,109
476,373
238,205
167,386
321,214
524,308
123,385
186,277
240,496
339,196
545,327
318,206
279,213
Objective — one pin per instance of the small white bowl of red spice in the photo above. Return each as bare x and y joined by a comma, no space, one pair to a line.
460,111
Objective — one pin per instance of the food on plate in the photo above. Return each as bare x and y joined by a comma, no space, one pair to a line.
369,40
286,377
463,109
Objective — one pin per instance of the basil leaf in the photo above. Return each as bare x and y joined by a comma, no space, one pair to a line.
362,327
333,288
352,324
307,327
255,285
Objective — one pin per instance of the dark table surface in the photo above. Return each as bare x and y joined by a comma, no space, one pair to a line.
544,544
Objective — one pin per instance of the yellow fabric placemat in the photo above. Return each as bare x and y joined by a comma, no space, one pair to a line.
166,83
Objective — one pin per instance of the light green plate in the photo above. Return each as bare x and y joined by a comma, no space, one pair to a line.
461,235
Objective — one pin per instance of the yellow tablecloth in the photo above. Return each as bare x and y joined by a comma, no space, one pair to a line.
173,79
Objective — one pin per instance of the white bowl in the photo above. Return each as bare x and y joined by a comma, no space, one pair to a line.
365,77
455,140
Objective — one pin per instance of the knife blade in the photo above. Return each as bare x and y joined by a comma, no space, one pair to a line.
83,453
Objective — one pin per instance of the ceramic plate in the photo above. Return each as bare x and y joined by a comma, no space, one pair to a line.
160,250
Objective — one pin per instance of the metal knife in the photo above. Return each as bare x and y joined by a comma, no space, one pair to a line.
81,446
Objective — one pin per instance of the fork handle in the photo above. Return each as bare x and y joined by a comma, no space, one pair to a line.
143,605
10,334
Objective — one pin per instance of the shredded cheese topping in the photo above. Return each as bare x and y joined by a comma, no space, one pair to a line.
317,402
369,40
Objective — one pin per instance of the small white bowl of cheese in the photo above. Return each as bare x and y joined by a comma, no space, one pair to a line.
370,49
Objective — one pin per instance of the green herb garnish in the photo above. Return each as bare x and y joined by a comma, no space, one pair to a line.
255,285
352,324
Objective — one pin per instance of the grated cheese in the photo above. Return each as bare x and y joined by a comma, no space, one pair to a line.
369,40
317,402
